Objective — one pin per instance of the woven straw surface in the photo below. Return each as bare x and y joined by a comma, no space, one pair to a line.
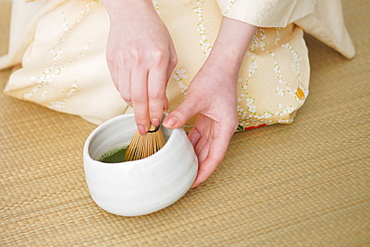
305,184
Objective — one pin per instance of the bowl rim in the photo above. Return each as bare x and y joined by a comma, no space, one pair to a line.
86,153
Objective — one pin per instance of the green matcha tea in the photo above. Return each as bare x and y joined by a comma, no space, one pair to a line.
114,155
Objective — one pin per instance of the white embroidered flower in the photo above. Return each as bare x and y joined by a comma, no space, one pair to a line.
262,44
42,81
280,79
56,105
243,88
277,36
57,56
253,67
156,6
27,95
43,94
250,101
58,71
280,91
286,111
47,71
229,5
297,58
65,26
286,121
266,115
252,108
179,76
277,68
72,90
205,46
254,42
290,90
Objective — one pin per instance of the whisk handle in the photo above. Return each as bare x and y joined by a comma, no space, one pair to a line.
153,129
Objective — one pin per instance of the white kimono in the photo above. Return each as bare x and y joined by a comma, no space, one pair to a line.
60,45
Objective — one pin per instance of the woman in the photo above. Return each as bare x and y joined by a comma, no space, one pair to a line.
216,66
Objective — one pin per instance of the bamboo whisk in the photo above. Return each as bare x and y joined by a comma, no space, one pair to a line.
142,146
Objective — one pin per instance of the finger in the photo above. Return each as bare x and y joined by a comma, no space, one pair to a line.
203,152
157,93
139,98
203,145
200,145
215,155
205,134
178,117
172,61
124,85
165,104
194,136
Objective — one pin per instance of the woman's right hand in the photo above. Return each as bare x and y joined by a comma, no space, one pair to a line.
141,57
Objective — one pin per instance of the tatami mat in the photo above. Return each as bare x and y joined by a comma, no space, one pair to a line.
305,184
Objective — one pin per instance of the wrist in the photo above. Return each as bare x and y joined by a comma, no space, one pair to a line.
224,61
229,48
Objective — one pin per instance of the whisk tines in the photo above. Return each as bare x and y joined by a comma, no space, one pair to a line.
142,146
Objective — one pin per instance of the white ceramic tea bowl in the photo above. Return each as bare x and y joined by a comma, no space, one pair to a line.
143,186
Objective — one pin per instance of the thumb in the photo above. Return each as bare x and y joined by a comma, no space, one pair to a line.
178,117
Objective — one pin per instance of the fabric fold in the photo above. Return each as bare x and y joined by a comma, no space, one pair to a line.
266,13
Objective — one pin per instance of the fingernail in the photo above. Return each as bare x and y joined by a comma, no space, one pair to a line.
169,122
155,122
141,130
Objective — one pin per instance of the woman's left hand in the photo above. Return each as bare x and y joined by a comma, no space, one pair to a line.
212,95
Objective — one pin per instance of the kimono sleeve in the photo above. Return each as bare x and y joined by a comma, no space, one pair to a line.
266,13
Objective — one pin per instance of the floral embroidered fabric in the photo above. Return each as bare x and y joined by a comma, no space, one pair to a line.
64,67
